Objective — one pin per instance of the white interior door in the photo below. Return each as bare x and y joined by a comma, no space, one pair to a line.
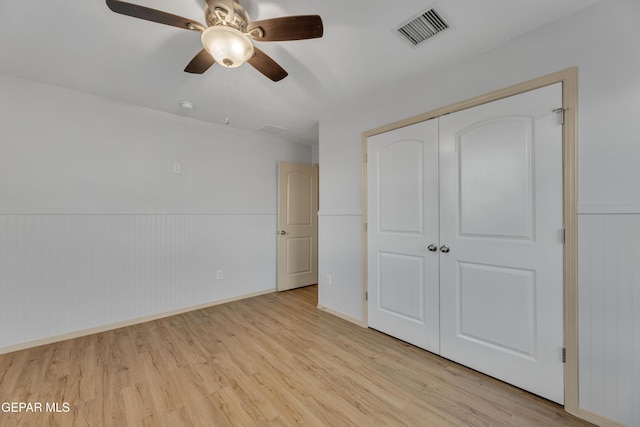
402,221
297,225
501,284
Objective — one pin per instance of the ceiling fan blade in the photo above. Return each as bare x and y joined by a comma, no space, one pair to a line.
267,66
288,28
200,63
153,15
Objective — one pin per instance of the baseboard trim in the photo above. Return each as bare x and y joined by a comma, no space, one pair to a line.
343,316
117,325
596,419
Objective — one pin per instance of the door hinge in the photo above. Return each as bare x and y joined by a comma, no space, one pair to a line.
366,226
564,355
561,111
366,296
563,235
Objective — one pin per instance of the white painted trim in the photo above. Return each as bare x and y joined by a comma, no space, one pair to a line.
340,213
343,316
124,323
608,208
119,213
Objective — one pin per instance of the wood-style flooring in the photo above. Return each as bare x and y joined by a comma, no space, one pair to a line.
270,360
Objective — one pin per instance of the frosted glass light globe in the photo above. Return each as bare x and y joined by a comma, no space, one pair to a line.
228,46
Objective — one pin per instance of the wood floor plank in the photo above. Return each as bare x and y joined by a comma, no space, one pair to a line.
272,360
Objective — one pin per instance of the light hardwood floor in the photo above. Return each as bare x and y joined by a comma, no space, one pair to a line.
269,360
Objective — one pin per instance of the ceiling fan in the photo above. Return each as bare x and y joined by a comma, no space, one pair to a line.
227,37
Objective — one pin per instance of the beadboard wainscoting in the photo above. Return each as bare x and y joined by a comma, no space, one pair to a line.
68,273
609,307
340,264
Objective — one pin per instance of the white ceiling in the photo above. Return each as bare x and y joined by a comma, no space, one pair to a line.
82,45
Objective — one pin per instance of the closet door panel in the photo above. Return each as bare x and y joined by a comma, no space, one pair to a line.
501,282
402,215
496,179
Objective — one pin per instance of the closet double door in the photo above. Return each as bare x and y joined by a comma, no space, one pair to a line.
465,238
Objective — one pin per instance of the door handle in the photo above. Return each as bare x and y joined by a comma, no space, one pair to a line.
432,248
444,249
282,232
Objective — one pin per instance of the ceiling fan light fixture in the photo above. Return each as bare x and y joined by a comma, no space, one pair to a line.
228,46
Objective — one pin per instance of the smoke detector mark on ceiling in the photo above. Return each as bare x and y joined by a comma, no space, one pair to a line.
423,27
272,129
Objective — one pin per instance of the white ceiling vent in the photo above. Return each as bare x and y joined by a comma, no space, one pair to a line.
423,27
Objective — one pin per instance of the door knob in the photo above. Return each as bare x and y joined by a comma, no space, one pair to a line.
432,248
282,232
444,249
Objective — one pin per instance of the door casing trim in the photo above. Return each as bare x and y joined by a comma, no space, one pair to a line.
569,80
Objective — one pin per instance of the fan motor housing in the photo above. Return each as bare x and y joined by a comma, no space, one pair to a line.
219,14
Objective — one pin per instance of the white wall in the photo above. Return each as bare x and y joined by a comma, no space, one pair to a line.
96,228
68,152
603,42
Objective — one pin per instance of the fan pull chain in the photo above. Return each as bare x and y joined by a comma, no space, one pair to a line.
227,106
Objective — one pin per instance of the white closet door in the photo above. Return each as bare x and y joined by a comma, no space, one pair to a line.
402,209
501,284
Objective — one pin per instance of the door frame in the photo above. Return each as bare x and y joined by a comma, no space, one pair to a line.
569,80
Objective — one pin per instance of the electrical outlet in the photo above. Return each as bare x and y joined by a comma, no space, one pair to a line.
219,274
177,168
327,279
